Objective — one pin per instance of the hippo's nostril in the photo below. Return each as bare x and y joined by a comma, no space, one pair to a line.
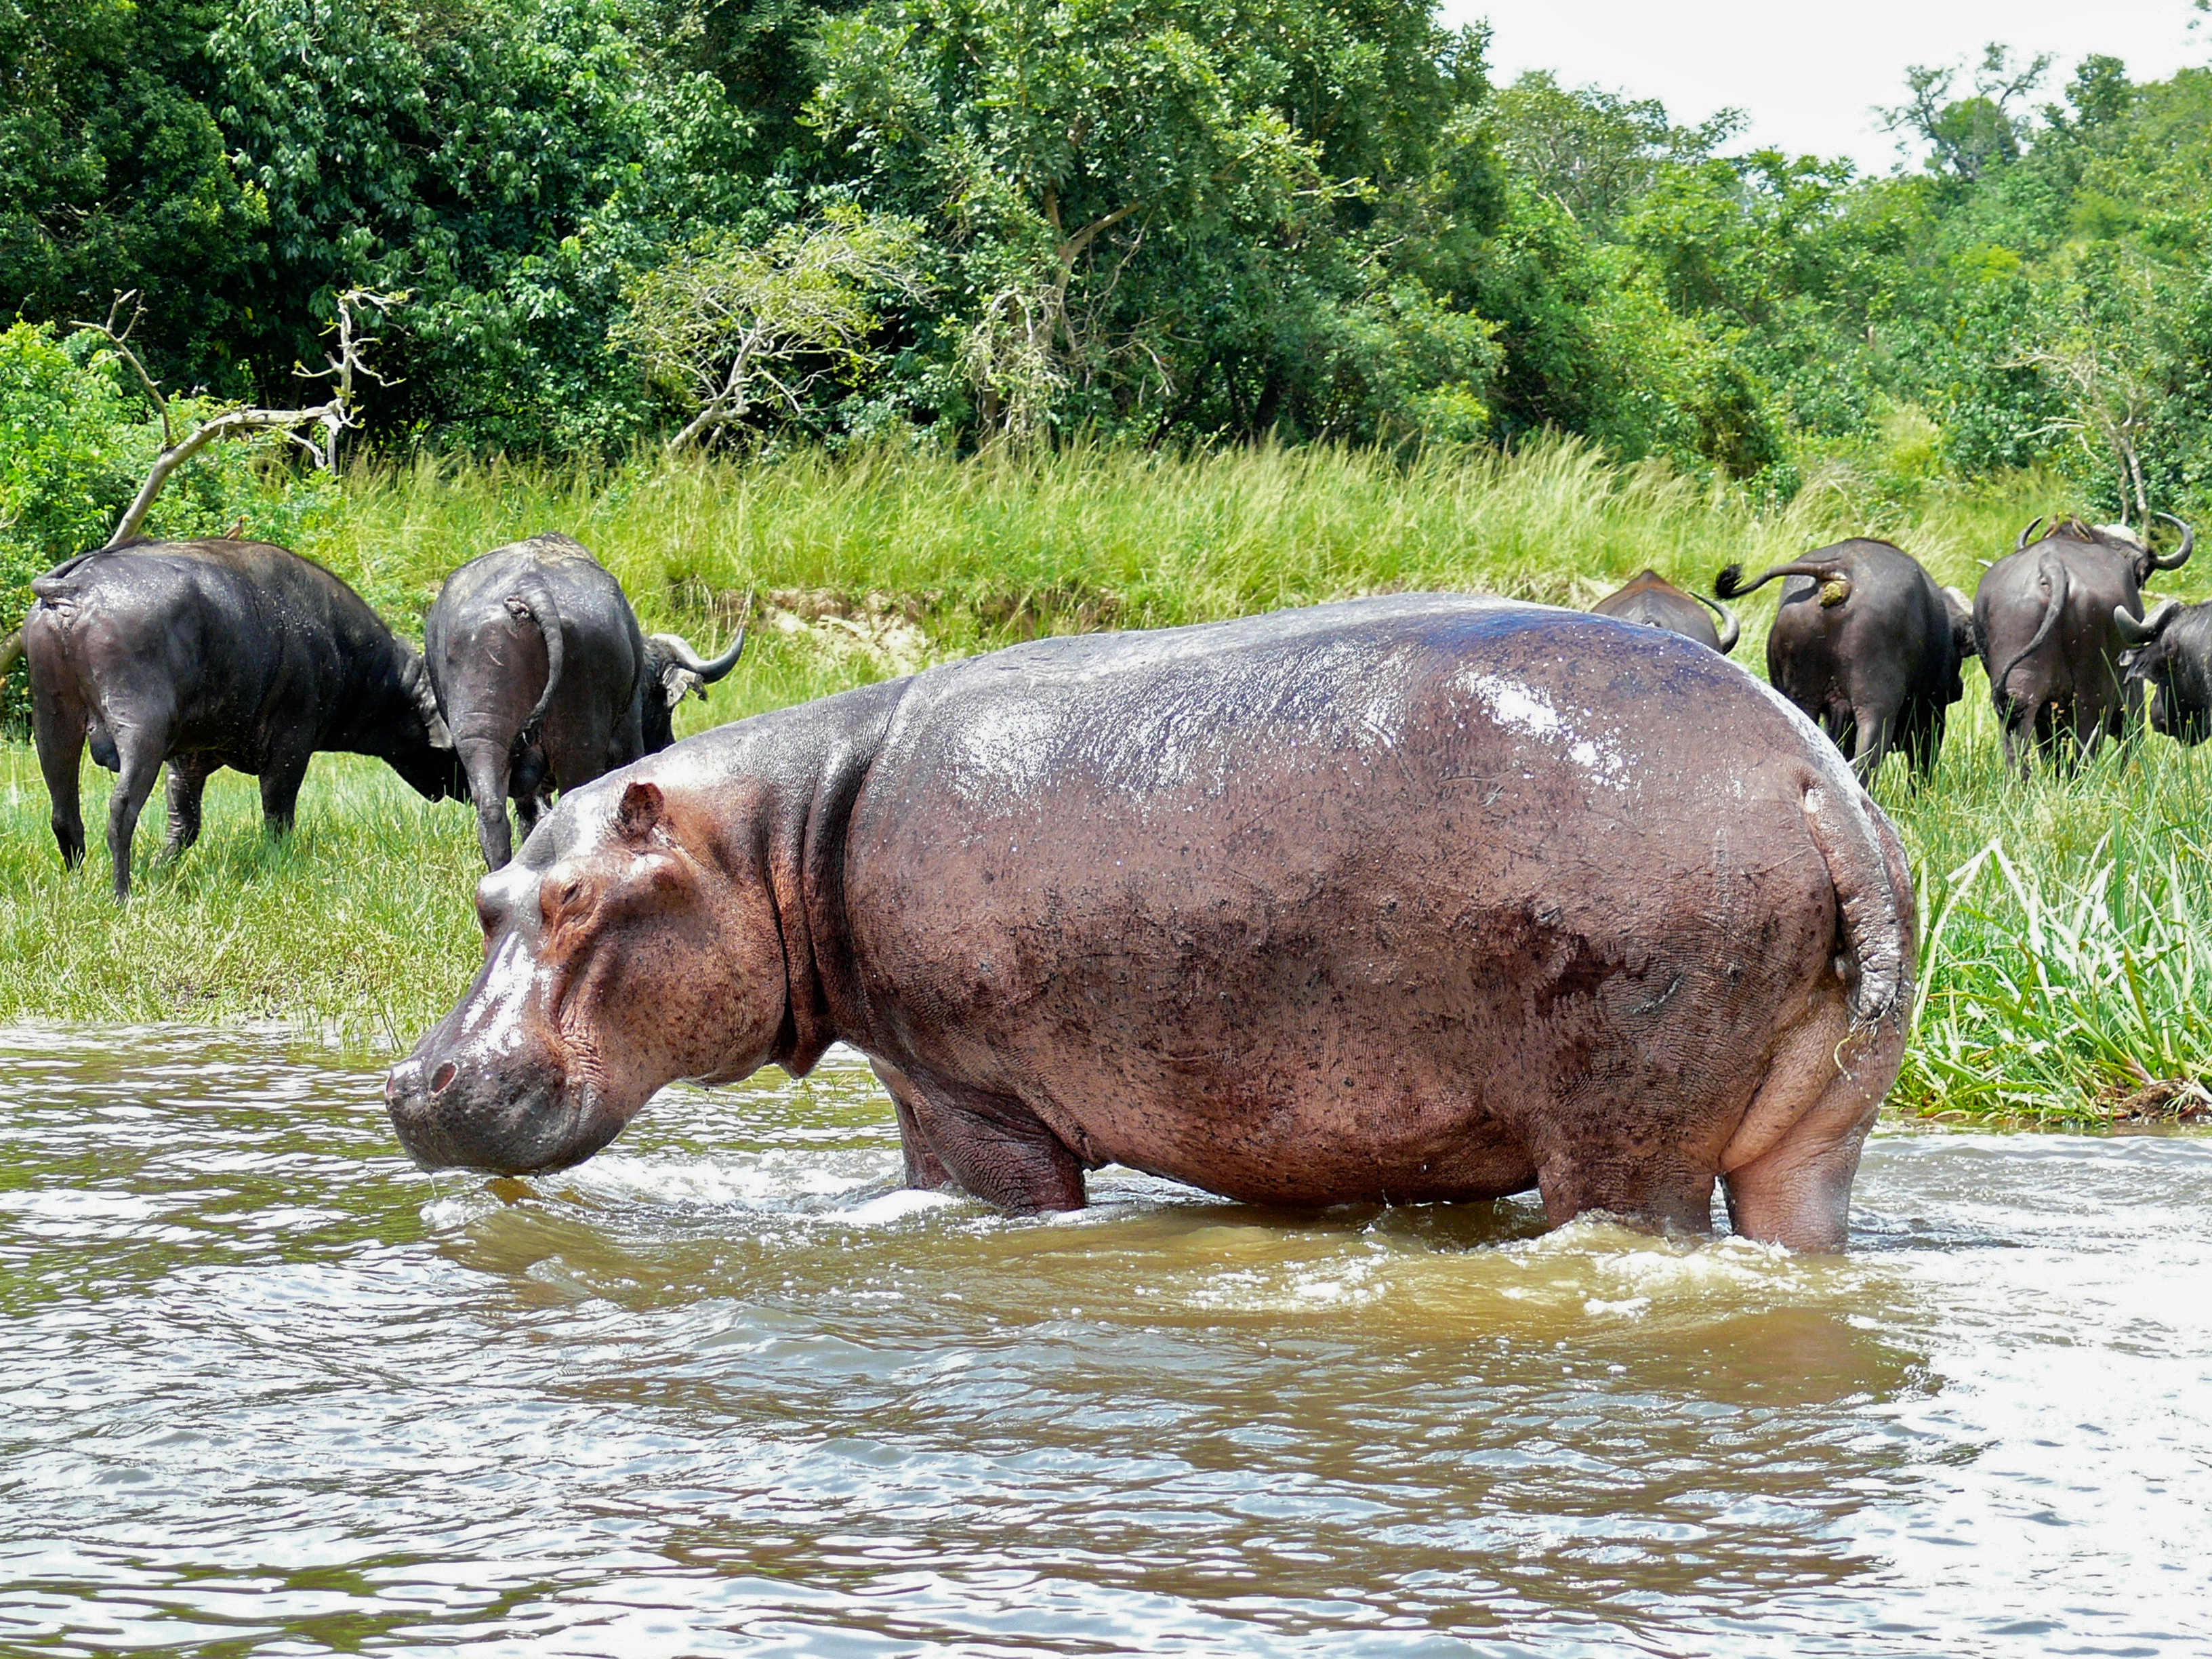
442,1079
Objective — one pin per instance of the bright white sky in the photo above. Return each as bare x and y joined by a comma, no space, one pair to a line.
1808,74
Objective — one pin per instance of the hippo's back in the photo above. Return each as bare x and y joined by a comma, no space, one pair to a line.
1198,890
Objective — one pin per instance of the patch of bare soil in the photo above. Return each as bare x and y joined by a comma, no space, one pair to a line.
2158,1100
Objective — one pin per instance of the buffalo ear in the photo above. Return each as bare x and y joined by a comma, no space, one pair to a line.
640,813
677,682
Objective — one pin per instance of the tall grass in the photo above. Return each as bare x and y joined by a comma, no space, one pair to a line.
2066,919
1159,539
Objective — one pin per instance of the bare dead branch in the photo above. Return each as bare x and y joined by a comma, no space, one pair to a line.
120,340
333,415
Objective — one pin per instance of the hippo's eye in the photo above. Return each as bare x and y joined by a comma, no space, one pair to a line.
561,896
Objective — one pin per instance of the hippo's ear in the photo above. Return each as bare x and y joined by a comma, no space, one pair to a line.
640,812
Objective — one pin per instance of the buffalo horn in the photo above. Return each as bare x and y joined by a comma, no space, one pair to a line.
2179,557
2028,535
2143,632
708,670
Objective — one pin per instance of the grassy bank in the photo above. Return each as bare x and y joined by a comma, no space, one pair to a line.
2068,920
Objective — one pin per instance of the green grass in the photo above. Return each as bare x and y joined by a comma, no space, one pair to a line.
2067,919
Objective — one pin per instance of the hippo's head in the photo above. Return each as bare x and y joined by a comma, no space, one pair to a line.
623,950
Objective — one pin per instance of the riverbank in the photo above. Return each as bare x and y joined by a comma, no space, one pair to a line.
2068,923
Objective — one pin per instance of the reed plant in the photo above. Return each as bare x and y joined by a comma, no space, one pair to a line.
2066,918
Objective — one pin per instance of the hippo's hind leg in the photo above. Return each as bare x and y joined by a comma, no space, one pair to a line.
993,1146
925,1171
1629,1182
1788,1172
188,781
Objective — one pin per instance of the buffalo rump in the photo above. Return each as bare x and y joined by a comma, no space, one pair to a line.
211,653
2044,616
546,680
1866,644
1651,599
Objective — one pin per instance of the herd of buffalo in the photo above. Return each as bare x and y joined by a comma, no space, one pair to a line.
1425,896
536,677
1867,645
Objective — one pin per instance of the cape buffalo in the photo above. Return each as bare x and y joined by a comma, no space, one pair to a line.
547,681
2045,616
213,654
2171,652
1866,643
1403,899
1651,599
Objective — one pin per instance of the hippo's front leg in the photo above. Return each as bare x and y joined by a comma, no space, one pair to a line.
925,1171
992,1145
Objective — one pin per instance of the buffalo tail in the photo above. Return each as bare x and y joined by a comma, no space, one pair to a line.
2053,571
1730,584
532,600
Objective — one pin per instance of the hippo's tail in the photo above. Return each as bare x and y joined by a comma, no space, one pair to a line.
1876,910
2054,571
532,601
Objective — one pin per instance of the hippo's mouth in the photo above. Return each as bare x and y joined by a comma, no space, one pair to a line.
534,1131
589,1132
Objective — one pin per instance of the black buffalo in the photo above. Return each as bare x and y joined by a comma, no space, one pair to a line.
1651,599
2170,654
546,679
1866,644
214,654
2045,618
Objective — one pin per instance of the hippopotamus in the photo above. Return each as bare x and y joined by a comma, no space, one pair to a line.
1396,900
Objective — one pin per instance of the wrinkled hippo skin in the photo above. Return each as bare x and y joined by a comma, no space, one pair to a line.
1401,899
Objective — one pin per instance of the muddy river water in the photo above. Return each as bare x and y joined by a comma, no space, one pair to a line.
265,1389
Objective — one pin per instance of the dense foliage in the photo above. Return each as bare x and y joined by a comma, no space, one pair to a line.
1160,219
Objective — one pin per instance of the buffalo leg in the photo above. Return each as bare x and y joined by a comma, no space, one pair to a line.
280,793
2023,737
1922,740
57,726
138,764
486,763
529,808
996,1148
925,1171
187,782
1870,747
